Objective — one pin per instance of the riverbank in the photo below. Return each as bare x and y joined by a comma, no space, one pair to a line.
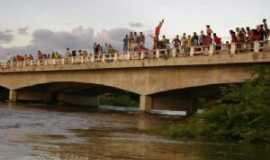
242,114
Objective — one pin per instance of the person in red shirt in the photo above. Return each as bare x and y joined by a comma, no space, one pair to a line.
157,32
217,41
208,40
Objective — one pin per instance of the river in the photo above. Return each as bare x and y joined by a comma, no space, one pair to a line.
34,132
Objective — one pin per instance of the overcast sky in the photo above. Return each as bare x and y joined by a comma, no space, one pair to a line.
57,24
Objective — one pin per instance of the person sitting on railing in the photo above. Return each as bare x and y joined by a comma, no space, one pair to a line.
195,39
217,42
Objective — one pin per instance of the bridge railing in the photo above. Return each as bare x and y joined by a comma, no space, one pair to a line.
233,48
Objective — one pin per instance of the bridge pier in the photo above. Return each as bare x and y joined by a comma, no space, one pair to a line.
12,96
145,103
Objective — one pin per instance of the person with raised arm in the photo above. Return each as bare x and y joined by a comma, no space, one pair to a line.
157,33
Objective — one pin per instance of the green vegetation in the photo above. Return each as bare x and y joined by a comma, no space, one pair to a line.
241,115
119,99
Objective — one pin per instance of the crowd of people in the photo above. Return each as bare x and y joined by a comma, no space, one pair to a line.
106,49
136,42
132,42
204,39
249,35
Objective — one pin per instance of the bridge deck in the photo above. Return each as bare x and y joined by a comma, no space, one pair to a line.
217,59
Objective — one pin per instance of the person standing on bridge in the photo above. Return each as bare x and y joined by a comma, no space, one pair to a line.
157,33
209,31
68,54
202,39
125,41
176,42
217,42
195,39
266,27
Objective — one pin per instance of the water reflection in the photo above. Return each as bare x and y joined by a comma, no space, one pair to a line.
55,134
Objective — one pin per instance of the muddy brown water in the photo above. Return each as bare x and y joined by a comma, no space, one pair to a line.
29,132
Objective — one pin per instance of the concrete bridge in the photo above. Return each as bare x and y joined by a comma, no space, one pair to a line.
149,78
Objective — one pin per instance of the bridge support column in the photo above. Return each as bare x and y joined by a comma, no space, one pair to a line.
12,95
145,103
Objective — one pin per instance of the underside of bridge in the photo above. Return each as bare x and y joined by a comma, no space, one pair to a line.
183,99
93,95
4,94
79,94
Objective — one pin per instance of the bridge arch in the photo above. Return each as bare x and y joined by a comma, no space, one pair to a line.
76,93
72,84
187,87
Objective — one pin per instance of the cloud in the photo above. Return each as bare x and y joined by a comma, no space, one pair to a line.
78,38
135,24
23,31
113,36
8,31
6,37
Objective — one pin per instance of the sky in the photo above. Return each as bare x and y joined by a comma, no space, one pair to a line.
28,25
